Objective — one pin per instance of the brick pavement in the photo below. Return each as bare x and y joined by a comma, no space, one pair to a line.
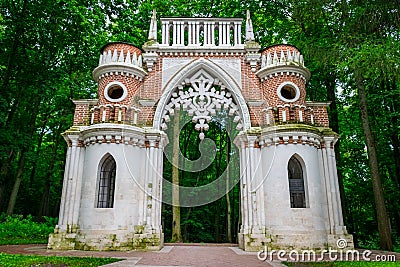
171,255
220,255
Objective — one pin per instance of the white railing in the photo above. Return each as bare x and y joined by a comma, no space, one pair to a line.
206,32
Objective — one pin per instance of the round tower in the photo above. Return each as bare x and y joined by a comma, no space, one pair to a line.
110,185
119,77
283,82
296,158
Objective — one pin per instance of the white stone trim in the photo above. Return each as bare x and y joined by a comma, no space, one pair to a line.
278,92
275,70
116,68
108,86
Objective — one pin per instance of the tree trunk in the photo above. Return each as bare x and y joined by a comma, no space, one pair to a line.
216,222
17,183
45,202
176,211
3,176
228,201
37,154
382,216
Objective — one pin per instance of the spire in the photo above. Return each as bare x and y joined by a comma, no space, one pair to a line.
249,28
153,27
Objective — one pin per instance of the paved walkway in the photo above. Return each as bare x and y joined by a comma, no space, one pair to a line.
182,255
220,255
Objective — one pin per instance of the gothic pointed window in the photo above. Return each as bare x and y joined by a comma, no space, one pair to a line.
106,186
296,184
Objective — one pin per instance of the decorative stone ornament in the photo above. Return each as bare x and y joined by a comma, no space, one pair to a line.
201,99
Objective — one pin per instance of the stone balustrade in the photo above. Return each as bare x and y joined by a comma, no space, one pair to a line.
206,32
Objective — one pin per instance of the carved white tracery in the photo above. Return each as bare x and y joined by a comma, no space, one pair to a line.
202,101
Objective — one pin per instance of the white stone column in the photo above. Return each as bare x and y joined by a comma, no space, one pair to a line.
77,201
142,185
223,33
227,33
335,183
250,181
143,191
258,186
240,142
248,187
167,33
236,34
325,170
64,195
330,191
182,32
152,160
261,192
147,211
197,33
239,33
220,33
339,201
178,33
163,33
159,177
212,30
190,33
174,32
205,34
74,177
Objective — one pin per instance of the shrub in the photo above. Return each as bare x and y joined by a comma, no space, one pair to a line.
17,229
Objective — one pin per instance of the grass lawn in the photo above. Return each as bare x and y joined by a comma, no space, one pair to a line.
341,264
16,260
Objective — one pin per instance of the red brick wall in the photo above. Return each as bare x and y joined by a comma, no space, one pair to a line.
82,114
270,87
122,46
132,85
278,49
321,116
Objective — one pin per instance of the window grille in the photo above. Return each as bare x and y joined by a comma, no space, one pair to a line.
106,183
296,184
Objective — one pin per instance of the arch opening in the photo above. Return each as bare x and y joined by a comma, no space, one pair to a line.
296,178
106,182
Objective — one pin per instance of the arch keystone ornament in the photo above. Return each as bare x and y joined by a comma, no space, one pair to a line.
113,180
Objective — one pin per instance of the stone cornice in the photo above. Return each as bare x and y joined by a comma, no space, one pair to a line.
115,133
269,71
297,134
318,104
118,68
85,101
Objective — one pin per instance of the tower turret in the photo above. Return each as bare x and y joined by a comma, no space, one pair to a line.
119,77
283,81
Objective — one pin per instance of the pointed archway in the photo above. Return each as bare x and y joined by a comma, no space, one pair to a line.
201,75
202,89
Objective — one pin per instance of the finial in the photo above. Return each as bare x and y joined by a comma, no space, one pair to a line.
153,27
249,28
